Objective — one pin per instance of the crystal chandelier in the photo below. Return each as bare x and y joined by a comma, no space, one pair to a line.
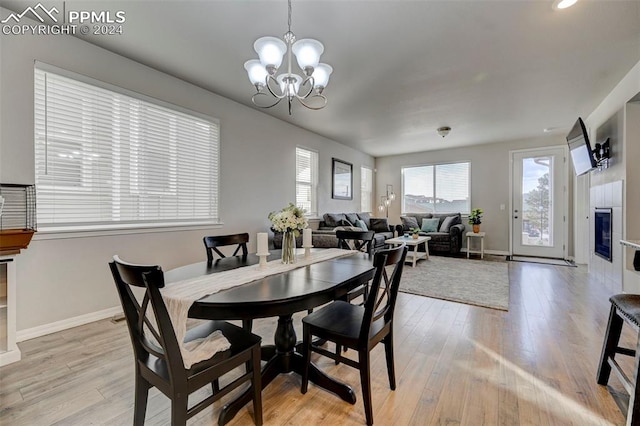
271,88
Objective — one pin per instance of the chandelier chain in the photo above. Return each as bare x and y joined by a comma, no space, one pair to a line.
289,20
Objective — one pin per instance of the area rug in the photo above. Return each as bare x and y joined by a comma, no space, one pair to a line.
474,282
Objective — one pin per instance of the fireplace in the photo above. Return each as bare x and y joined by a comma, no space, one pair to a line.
602,233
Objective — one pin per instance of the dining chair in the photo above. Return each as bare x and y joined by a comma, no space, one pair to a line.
356,240
359,327
212,243
158,361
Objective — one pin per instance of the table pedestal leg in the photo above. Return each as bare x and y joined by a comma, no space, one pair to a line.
283,359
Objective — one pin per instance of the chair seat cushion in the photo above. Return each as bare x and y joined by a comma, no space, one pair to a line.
628,305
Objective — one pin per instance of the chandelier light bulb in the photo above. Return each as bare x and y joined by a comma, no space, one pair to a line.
289,83
256,71
392,196
307,53
270,50
381,207
321,75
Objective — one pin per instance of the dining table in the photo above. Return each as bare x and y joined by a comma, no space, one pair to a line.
280,295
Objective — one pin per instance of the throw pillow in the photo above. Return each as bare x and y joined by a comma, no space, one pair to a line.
366,218
333,219
448,222
379,224
345,222
430,225
360,224
351,217
408,222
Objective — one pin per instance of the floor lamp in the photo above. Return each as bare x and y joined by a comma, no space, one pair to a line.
385,200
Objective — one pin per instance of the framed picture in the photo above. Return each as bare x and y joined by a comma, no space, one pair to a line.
342,180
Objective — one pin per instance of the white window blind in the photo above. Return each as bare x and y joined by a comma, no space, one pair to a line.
366,189
106,157
439,188
307,180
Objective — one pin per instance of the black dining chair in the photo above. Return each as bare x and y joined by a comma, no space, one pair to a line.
359,327
212,243
356,240
158,361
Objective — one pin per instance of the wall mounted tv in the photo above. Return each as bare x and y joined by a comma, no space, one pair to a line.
580,148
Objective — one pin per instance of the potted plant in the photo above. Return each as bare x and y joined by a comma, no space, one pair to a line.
475,219
415,233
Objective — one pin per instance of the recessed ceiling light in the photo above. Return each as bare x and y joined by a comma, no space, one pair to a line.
563,4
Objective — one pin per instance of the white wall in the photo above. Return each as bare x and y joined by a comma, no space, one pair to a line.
489,180
60,279
617,118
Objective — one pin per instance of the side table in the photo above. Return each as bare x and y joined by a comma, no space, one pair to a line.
475,235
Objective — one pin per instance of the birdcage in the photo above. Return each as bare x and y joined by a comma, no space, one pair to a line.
17,216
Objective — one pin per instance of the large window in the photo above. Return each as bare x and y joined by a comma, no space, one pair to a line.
106,157
438,188
307,180
366,189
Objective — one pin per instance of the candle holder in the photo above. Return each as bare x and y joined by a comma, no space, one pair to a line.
263,259
307,250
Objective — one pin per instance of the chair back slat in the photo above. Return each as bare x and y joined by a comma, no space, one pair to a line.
212,243
383,292
150,327
355,240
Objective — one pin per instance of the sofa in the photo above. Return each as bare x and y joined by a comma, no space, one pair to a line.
446,238
325,235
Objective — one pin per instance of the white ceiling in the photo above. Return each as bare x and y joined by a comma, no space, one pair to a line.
491,70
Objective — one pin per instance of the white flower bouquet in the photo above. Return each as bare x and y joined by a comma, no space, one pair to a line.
289,219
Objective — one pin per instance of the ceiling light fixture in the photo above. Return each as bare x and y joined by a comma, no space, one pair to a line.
563,4
444,131
289,86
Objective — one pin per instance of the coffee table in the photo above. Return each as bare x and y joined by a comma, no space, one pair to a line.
412,256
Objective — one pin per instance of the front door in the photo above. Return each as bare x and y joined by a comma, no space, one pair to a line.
539,202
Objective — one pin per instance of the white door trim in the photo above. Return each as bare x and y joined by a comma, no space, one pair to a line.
565,197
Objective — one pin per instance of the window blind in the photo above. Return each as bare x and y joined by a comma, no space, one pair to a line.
106,157
439,188
307,180
366,189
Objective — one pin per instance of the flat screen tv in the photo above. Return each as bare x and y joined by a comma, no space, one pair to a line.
580,148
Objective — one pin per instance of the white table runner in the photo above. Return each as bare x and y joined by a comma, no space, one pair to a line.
179,296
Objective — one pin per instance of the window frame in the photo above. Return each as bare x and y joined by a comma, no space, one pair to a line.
364,190
434,180
313,184
135,225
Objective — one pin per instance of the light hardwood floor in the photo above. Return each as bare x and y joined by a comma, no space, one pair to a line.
455,364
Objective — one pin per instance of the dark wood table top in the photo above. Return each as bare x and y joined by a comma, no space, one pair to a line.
281,294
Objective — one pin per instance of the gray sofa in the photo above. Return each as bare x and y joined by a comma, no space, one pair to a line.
443,241
325,235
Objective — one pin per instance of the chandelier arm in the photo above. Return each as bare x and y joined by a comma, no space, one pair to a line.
253,99
324,99
307,81
275,95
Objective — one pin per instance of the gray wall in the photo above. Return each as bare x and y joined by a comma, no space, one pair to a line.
63,278
489,180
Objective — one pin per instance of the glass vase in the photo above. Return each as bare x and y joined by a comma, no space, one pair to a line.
288,247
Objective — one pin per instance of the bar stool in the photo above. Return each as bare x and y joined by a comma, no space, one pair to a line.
624,307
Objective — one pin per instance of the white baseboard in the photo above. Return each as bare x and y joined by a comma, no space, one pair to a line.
9,357
43,330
